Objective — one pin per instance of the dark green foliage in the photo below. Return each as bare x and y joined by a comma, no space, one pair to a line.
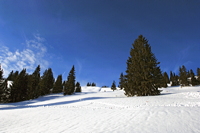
46,83
5,96
143,76
198,76
78,87
174,79
12,76
113,87
88,84
4,90
165,79
93,84
183,76
193,80
1,73
121,81
58,86
2,84
33,84
69,87
19,87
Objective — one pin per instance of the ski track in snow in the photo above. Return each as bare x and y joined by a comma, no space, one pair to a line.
176,110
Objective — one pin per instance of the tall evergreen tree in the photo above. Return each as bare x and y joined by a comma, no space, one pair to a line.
183,75
69,87
46,83
143,76
193,81
4,90
78,87
5,96
121,81
1,83
58,86
12,76
19,87
198,76
164,80
174,79
33,84
113,86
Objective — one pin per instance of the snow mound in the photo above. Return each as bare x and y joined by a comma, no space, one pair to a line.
192,95
90,89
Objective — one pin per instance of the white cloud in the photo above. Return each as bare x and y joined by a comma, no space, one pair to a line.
29,58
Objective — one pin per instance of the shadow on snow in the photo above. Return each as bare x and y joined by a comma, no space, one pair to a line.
25,104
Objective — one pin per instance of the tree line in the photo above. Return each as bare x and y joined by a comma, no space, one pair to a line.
143,78
143,75
26,86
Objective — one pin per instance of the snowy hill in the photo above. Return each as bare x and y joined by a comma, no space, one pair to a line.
100,110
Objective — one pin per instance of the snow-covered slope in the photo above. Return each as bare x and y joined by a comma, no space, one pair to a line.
94,110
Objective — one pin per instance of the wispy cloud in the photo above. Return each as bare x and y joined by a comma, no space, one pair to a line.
29,57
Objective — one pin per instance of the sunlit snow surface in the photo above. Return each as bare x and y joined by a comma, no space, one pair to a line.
100,110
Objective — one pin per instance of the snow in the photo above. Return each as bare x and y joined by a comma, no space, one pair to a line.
100,110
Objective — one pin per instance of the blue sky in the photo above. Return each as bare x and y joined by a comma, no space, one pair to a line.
96,35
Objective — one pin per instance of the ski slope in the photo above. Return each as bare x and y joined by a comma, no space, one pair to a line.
100,110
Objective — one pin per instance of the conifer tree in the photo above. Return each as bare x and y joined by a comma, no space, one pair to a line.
113,87
174,79
69,87
5,97
58,86
12,76
88,84
47,81
143,75
78,87
4,90
1,83
121,81
198,76
183,75
193,81
33,84
164,81
93,84
19,87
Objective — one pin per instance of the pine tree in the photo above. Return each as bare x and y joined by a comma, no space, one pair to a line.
174,79
113,87
46,83
121,81
5,97
198,76
1,83
4,90
93,84
12,76
183,75
78,87
58,86
88,84
143,76
164,80
69,87
33,84
192,77
19,87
